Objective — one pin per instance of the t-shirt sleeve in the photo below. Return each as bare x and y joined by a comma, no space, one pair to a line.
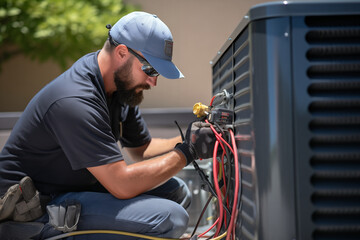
82,130
134,131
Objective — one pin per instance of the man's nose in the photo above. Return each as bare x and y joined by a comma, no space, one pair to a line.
152,81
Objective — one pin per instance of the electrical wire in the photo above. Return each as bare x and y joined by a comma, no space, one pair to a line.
236,190
201,215
227,154
212,100
227,180
181,133
220,237
84,232
210,187
212,191
216,170
75,233
226,185
229,174
202,174
217,188
219,137
212,226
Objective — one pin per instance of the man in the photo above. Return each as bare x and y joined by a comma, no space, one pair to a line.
66,139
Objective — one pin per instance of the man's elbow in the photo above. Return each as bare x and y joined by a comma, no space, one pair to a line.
123,193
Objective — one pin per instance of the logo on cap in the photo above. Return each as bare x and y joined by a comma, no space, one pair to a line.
168,48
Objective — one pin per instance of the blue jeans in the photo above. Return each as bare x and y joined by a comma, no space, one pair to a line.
159,212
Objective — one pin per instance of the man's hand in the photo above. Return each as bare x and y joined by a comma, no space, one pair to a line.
199,142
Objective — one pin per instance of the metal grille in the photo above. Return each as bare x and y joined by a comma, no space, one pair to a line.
334,89
232,72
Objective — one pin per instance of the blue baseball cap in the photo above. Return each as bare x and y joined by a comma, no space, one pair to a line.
146,33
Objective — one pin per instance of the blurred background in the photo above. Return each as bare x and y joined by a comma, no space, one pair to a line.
40,39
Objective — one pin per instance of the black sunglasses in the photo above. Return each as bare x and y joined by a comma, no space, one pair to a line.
146,67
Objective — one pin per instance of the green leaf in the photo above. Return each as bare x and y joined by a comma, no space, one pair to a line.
61,30
2,12
13,12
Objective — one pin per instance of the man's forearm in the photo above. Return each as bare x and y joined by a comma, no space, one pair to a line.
159,146
126,181
156,147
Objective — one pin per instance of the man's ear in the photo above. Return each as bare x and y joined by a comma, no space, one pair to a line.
121,51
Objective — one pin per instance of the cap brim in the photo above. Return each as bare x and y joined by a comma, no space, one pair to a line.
164,67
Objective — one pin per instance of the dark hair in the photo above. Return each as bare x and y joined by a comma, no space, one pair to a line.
108,46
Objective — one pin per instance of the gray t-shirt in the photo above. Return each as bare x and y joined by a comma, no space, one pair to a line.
68,126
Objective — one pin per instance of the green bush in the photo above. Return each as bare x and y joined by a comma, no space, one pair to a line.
60,30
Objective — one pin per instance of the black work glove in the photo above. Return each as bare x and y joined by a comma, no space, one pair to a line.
199,142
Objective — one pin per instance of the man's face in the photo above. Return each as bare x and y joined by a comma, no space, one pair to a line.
124,79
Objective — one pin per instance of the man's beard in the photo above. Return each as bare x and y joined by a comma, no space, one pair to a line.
123,79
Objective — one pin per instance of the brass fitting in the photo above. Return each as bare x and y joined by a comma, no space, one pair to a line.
200,110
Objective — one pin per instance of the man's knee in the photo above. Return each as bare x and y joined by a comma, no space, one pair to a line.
184,194
176,190
174,223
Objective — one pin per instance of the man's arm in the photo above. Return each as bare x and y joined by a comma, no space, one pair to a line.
156,147
126,181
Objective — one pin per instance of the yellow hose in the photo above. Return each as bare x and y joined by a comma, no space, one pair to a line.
107,232
118,233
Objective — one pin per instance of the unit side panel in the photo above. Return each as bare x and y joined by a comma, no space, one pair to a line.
273,124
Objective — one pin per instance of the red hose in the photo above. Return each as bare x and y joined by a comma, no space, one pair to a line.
233,149
219,137
217,188
212,100
236,190
212,226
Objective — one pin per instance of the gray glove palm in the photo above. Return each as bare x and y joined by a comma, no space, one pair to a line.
199,142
